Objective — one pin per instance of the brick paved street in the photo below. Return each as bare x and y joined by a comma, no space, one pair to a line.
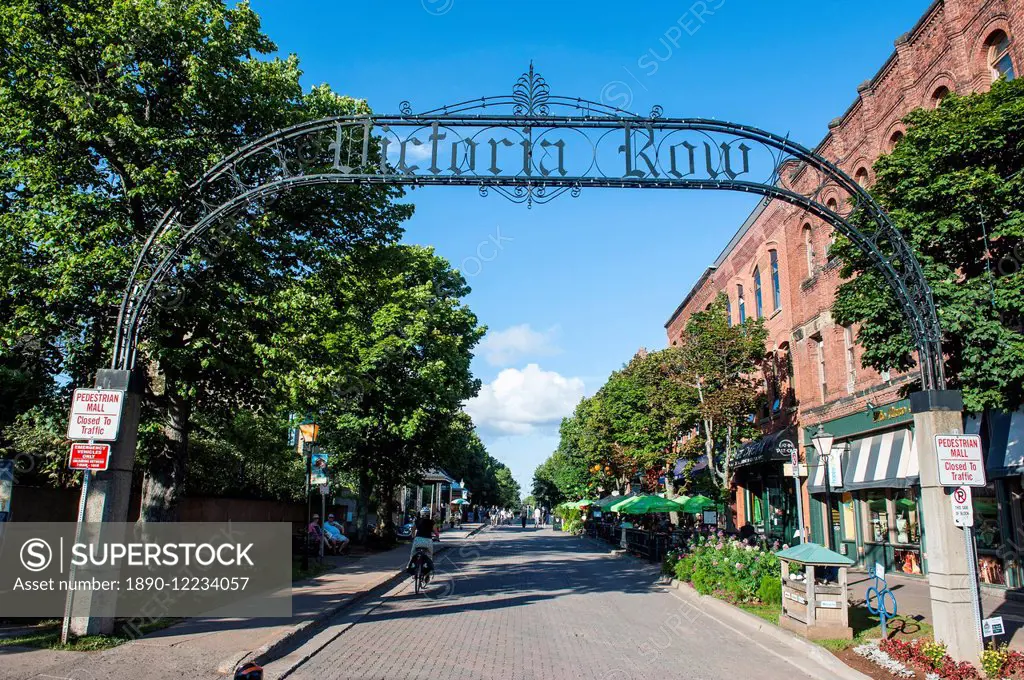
535,604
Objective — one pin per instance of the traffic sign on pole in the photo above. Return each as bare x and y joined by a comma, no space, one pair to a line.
963,508
961,462
95,414
95,457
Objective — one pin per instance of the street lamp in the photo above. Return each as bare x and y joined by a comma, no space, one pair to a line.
823,445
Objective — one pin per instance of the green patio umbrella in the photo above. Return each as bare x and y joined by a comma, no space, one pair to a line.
644,504
617,506
608,501
698,504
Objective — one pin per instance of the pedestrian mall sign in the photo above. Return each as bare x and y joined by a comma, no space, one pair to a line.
94,457
95,415
963,508
960,458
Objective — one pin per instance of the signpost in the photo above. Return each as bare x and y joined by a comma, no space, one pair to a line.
787,447
961,462
963,508
993,627
95,457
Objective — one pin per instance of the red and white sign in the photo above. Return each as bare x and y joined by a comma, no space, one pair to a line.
963,508
961,462
95,414
89,456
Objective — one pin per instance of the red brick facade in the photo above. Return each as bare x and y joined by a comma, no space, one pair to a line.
950,49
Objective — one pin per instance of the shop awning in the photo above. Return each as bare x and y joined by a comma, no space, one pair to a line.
764,450
1003,437
885,460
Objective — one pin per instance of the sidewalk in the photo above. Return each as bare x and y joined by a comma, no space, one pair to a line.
912,599
210,648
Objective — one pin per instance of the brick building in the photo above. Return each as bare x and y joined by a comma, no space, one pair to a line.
777,267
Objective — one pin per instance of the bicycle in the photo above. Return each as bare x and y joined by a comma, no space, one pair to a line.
421,567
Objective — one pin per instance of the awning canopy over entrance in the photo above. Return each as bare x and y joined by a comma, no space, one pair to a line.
765,449
1002,436
879,461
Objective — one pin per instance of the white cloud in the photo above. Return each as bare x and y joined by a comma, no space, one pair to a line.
501,348
524,401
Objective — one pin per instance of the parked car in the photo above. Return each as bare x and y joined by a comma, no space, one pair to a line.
405,531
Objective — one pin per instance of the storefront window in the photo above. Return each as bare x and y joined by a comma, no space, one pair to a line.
849,518
907,523
878,517
986,532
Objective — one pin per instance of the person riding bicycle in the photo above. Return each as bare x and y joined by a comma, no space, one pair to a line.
423,534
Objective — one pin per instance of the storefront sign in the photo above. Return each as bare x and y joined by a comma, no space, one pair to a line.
883,414
95,457
992,627
961,462
95,415
963,508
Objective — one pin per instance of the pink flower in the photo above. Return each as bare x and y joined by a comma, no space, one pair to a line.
739,565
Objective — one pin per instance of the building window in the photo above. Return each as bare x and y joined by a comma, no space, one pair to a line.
878,517
896,138
757,293
741,303
861,176
999,59
819,349
809,246
776,292
939,95
851,364
728,311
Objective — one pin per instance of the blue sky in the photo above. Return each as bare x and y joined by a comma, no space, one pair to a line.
571,289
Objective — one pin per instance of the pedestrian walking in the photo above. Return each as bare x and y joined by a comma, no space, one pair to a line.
522,513
536,518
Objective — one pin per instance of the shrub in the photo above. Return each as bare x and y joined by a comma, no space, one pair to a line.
770,590
717,564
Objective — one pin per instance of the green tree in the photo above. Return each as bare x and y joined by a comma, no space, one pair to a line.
720,363
509,493
110,109
379,345
954,186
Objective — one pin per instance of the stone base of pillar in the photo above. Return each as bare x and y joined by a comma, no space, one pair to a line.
954,614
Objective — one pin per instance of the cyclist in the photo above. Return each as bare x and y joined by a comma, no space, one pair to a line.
423,533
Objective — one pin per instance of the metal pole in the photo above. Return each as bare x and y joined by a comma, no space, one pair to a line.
66,624
323,517
309,516
828,506
972,575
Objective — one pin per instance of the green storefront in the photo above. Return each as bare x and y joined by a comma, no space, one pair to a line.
876,514
769,496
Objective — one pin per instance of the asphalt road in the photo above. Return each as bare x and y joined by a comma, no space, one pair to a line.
536,605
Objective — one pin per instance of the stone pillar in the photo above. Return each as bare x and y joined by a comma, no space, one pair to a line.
107,501
953,613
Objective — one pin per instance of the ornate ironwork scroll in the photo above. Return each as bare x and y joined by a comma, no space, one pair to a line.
532,147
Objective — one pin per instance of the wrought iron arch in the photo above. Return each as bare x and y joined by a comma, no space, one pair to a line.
531,147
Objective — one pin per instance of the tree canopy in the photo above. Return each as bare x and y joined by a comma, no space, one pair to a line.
954,187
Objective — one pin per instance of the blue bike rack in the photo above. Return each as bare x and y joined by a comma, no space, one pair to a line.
880,591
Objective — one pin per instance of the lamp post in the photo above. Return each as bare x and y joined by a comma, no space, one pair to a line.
823,445
308,431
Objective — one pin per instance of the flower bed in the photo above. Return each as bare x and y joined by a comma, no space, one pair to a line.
715,564
931,658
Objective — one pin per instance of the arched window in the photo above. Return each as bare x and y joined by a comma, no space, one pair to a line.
895,139
728,311
776,292
758,307
938,96
861,176
999,59
809,247
741,303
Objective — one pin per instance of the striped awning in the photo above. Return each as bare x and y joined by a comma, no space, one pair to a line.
884,460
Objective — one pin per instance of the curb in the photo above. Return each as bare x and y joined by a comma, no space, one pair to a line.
719,610
275,648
